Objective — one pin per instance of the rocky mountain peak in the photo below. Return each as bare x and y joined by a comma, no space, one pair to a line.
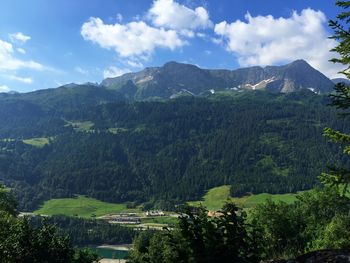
175,78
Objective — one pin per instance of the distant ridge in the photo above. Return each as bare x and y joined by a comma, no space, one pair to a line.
177,78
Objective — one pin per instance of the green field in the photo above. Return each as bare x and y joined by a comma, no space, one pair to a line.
216,197
253,200
84,126
80,206
37,142
213,200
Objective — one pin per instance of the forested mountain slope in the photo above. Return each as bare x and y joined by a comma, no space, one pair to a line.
169,151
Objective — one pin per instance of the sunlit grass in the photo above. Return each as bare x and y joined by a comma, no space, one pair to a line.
81,126
37,142
80,206
216,197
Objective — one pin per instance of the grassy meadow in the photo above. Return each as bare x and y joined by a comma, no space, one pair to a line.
216,197
213,200
83,126
37,142
80,206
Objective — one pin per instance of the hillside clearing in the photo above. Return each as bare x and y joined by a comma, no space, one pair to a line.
80,206
37,142
83,126
216,197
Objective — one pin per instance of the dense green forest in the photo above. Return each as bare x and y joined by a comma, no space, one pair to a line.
84,232
169,151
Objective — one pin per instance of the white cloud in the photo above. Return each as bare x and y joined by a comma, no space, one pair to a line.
4,88
19,37
265,40
216,40
172,25
21,79
58,83
131,39
81,70
119,17
170,14
21,50
201,35
113,72
134,64
9,62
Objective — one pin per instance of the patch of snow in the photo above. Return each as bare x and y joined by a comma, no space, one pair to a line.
313,90
260,85
145,79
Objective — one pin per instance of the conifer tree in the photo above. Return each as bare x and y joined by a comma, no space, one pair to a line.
340,99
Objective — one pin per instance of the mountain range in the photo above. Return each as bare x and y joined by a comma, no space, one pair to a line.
175,78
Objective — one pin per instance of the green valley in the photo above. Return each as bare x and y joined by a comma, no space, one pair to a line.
163,131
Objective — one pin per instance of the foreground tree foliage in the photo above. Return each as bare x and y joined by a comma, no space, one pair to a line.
20,242
8,203
224,237
338,175
84,232
318,220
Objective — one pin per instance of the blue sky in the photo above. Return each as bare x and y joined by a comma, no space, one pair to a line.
47,43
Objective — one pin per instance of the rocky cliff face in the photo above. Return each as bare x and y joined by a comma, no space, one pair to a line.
176,78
